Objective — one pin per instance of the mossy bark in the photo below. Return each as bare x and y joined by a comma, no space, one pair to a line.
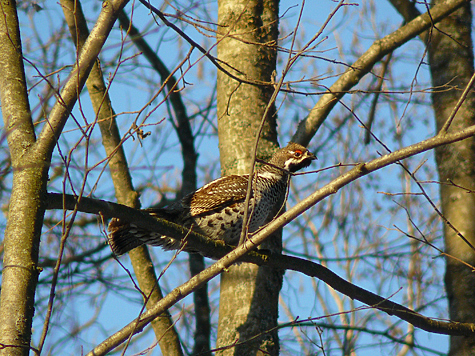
247,39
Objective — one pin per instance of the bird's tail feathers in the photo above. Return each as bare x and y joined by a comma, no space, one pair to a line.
124,236
121,239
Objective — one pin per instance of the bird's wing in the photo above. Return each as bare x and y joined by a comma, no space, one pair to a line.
218,194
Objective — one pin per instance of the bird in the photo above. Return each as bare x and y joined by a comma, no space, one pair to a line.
216,210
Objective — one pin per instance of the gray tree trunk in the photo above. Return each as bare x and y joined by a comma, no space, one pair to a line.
249,294
451,63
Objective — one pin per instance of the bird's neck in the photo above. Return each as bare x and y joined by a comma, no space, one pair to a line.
272,172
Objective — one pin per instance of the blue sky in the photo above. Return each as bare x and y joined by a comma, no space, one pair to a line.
156,162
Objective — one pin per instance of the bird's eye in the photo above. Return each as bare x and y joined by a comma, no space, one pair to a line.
298,153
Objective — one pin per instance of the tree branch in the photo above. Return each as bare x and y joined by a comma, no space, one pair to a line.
14,92
409,12
124,190
143,220
307,128
86,59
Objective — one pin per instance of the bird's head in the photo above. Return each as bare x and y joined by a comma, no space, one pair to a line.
292,157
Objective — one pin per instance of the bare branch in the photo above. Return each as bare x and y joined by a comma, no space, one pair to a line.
201,49
68,96
183,128
461,100
365,63
125,193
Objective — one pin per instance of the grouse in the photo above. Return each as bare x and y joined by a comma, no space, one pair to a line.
216,210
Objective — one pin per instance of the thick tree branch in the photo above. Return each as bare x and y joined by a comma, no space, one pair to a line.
229,256
185,135
108,209
198,242
409,12
296,264
365,63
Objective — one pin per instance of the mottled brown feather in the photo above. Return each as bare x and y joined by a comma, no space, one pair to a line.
217,209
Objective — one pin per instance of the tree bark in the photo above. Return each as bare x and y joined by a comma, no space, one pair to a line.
26,209
31,160
247,38
451,63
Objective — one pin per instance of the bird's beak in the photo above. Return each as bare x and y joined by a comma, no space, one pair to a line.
311,156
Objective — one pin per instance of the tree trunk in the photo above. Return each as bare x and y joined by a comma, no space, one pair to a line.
31,160
26,209
451,63
249,294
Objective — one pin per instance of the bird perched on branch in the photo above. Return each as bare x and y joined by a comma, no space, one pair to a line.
216,210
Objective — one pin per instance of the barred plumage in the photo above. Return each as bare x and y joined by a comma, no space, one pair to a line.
216,210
